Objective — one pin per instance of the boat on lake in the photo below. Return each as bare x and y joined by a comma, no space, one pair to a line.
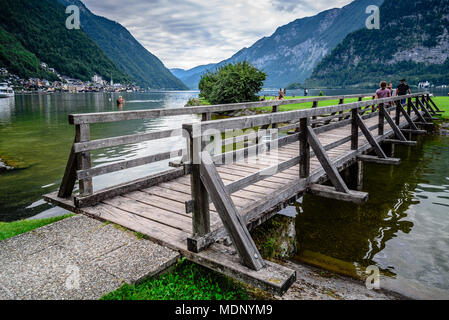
6,91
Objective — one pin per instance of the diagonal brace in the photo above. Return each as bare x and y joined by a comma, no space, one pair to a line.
231,218
328,166
368,135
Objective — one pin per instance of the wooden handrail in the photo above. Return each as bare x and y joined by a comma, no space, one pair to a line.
103,117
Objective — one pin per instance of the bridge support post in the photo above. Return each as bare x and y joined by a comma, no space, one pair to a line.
83,159
304,149
381,119
200,196
354,130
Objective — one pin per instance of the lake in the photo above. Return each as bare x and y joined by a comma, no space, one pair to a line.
404,228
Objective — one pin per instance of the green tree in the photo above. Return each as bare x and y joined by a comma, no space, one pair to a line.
232,83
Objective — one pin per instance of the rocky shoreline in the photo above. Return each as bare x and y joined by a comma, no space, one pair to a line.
444,131
4,167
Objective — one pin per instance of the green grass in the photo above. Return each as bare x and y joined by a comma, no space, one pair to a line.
12,229
443,104
187,281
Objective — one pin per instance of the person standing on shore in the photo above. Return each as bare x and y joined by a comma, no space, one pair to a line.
402,90
281,94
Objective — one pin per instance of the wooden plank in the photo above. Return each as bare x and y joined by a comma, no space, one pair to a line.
370,138
233,222
82,202
280,117
331,193
128,164
372,159
330,169
414,131
273,278
102,117
400,142
153,213
123,140
261,175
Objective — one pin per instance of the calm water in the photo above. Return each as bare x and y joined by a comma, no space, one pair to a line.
35,134
404,228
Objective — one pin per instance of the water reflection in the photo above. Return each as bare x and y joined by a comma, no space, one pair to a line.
35,134
403,229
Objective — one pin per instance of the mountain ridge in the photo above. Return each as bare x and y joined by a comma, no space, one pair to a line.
125,51
293,50
412,43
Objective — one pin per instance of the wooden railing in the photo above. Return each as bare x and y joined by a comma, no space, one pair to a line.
353,114
79,166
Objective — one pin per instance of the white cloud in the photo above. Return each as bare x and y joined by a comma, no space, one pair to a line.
187,33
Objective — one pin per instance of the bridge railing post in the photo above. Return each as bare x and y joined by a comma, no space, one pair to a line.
409,106
314,105
354,129
398,112
342,101
199,194
381,119
275,110
304,148
84,161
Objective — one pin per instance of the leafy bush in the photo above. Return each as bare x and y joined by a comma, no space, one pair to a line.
232,83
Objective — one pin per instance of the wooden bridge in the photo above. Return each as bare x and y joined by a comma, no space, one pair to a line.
235,173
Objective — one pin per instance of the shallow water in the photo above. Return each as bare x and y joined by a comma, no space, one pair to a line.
403,229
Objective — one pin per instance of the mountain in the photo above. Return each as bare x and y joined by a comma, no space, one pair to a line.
192,77
291,53
412,43
125,51
35,31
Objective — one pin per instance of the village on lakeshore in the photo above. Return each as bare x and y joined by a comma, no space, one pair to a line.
64,84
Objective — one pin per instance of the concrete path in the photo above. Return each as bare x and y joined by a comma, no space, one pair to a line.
77,258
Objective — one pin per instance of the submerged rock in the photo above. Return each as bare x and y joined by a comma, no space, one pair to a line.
4,167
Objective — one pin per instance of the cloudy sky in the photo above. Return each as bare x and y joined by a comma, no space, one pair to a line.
188,33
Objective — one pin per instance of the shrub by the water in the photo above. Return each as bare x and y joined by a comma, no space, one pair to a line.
232,83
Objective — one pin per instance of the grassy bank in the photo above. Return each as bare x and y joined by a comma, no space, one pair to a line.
12,229
187,281
443,104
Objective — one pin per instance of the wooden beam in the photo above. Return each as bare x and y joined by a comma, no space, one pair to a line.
142,183
233,222
354,130
123,165
395,128
426,112
326,163
373,159
401,142
433,103
407,116
414,131
331,193
69,179
84,161
418,113
373,142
